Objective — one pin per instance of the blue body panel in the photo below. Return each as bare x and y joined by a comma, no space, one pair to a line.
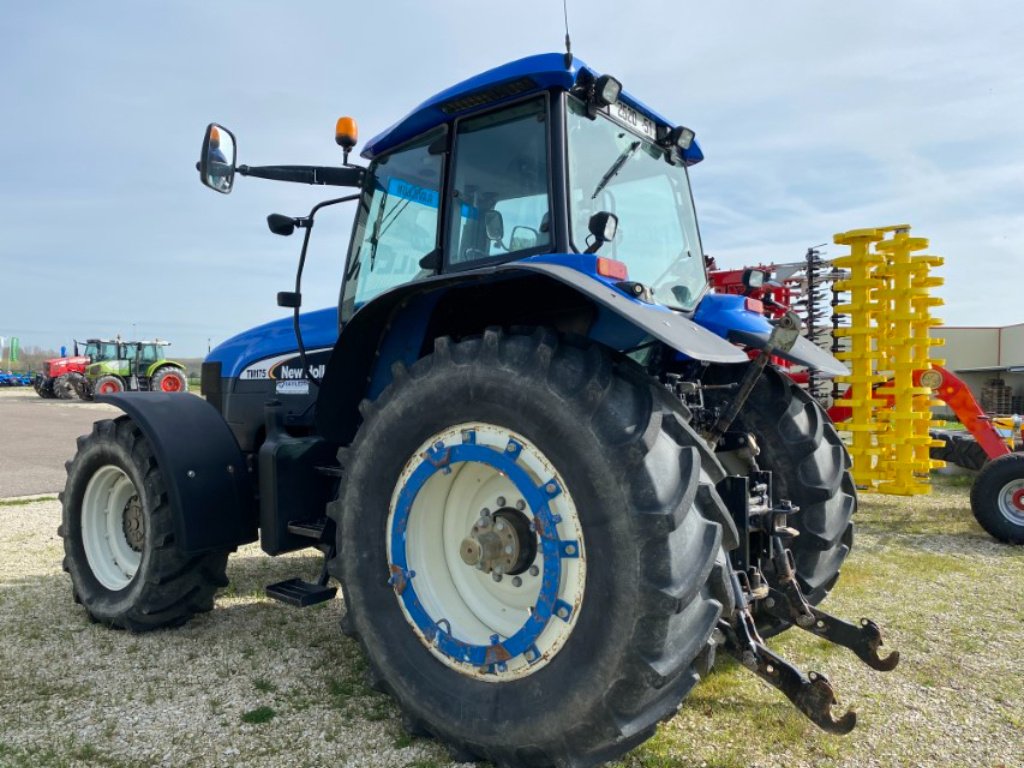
319,330
721,313
546,70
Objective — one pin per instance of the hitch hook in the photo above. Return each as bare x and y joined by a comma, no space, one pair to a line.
812,694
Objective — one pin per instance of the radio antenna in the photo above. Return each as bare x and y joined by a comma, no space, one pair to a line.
568,43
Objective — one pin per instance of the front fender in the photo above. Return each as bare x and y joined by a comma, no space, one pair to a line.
208,485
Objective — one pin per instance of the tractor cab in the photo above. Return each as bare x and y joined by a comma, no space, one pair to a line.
513,166
98,350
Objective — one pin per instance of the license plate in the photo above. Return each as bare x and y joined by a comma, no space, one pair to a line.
629,117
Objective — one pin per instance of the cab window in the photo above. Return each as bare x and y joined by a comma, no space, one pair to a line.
396,227
500,198
150,353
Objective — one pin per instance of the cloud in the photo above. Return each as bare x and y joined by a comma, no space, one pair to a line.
815,118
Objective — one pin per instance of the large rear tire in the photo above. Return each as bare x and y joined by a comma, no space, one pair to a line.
997,498
118,531
811,467
626,533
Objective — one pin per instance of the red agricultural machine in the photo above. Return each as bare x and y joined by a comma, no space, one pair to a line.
988,444
61,374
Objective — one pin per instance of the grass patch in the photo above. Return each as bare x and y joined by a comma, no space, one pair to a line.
259,715
263,685
25,502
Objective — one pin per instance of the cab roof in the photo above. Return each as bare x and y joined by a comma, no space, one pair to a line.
504,83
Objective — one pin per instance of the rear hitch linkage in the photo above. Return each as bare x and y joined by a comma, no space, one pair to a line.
764,582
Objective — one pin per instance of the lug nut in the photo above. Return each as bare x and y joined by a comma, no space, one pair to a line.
534,570
496,576
520,505
501,501
516,581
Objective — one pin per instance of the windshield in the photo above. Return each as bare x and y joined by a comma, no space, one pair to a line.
104,350
612,169
396,227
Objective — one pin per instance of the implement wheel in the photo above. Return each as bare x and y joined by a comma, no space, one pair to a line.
997,498
811,467
118,531
530,550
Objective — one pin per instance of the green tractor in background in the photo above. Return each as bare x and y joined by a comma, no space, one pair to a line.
141,366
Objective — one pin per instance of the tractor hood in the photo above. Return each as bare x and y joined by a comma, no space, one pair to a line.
319,331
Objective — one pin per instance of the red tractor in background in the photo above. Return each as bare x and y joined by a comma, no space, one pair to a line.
997,495
60,374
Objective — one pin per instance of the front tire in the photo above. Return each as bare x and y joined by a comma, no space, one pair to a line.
118,531
634,601
107,385
44,387
997,498
169,379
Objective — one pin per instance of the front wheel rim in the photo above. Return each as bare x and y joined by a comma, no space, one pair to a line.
113,529
1011,502
483,622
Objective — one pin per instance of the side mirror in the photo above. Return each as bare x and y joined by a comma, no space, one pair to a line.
754,280
523,238
602,226
217,161
280,224
494,226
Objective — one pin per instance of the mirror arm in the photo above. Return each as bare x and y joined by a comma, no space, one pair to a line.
349,176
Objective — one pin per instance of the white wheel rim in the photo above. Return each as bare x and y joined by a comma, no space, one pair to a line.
1011,502
111,507
483,628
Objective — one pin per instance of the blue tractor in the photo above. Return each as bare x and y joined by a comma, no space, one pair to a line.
551,472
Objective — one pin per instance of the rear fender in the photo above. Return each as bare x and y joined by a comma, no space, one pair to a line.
208,485
399,325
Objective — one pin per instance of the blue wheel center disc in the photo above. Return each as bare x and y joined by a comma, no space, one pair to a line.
437,630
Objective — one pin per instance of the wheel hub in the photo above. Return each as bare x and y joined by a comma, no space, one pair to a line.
131,524
499,544
1011,501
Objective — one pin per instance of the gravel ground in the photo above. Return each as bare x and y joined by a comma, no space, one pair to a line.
255,683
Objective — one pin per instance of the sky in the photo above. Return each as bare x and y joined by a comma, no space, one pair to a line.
814,118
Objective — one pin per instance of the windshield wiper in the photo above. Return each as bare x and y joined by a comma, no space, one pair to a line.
615,167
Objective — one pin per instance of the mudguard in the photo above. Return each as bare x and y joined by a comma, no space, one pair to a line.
672,328
208,484
355,356
804,352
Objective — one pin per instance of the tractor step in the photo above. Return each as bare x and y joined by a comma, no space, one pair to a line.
300,593
310,529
